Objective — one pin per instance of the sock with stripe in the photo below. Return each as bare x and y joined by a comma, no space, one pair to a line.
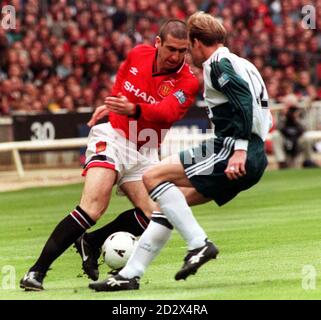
64,235
133,221
173,204
149,245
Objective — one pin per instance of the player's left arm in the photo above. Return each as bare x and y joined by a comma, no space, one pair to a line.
239,95
170,109
174,106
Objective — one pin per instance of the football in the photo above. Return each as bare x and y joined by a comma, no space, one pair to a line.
117,249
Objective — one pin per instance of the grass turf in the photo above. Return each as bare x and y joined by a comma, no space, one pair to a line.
266,236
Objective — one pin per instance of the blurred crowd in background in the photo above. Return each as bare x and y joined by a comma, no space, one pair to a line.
64,54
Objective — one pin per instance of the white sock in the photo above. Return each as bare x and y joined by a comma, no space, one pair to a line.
149,245
173,204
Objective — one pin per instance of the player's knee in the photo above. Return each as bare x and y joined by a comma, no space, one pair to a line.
94,207
150,178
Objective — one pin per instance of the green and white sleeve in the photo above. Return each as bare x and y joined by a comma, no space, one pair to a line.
237,91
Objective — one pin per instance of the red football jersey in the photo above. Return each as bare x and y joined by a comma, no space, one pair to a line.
164,98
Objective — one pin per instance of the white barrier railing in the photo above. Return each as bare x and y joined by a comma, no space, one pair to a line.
175,141
36,145
181,138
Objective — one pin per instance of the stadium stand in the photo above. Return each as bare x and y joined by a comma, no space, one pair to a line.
63,55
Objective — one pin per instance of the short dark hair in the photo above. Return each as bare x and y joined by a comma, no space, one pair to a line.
175,27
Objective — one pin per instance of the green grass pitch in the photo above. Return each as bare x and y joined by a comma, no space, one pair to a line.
266,236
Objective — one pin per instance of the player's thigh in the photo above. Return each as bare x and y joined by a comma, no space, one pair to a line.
170,169
138,195
193,197
97,191
172,159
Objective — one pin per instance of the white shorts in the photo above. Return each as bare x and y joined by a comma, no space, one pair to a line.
108,149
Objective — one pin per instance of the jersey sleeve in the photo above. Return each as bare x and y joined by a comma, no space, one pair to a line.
174,106
239,95
121,75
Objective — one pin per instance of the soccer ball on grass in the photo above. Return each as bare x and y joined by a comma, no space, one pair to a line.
117,249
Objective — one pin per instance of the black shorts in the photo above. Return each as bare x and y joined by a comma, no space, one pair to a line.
204,166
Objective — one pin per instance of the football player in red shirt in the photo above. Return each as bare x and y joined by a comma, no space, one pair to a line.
154,88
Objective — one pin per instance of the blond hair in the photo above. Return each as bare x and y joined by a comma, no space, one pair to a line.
205,28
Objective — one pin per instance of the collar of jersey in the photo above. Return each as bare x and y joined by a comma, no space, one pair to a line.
216,52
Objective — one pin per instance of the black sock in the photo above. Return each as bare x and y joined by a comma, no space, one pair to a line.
133,221
64,235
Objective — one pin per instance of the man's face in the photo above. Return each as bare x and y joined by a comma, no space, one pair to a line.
171,52
197,55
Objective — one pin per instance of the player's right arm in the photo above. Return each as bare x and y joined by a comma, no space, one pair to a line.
99,113
121,76
103,110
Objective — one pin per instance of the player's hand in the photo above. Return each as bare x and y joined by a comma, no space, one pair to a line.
99,113
236,165
120,105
